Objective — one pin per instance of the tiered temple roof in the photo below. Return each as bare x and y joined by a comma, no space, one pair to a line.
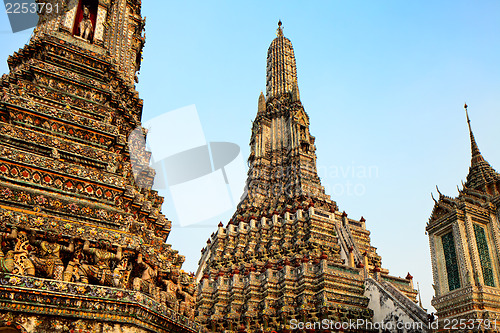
464,237
480,173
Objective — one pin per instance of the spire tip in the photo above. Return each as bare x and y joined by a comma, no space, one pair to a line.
476,154
279,31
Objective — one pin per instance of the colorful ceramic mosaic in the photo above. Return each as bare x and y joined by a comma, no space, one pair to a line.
82,243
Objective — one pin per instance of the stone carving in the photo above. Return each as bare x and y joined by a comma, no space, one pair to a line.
22,263
74,298
187,305
172,286
147,282
49,259
85,26
100,271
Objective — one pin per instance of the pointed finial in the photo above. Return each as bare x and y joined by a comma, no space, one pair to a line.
476,154
432,196
467,114
279,31
437,188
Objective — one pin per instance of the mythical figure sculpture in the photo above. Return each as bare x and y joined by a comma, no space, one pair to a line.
146,283
101,270
187,306
49,259
169,296
85,25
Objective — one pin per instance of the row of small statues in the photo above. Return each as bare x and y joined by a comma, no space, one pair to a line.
23,253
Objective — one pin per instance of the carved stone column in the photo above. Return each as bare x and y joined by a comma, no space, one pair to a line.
473,252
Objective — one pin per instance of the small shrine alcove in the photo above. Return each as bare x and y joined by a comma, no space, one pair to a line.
85,22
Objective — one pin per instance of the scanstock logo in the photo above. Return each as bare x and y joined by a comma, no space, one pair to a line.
204,179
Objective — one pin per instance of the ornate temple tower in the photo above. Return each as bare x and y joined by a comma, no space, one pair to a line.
83,238
464,237
288,254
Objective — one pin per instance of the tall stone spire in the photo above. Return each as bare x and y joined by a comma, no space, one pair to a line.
288,252
281,67
480,172
282,159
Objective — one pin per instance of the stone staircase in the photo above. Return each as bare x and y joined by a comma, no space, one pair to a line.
391,305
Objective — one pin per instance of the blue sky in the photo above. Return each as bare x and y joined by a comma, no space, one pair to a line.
384,83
